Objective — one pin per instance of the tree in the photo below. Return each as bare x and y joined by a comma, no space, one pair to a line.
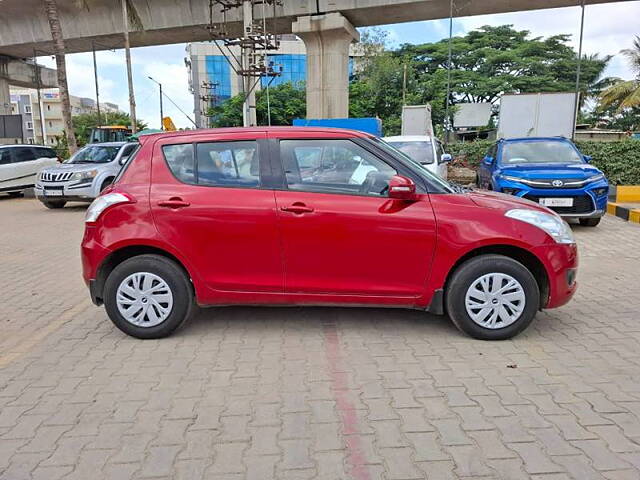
286,101
51,10
625,94
83,123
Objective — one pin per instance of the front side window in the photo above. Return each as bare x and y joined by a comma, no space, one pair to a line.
334,166
539,152
5,156
222,164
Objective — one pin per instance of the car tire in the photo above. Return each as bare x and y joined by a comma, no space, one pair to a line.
54,204
589,222
158,269
16,194
466,283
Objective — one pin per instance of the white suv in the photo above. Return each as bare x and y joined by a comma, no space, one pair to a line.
19,165
84,175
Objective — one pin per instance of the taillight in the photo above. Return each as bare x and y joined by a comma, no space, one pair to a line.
103,202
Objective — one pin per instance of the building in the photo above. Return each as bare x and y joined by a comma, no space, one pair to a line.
25,103
212,80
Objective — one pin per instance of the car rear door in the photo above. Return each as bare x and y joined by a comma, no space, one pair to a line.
342,237
211,202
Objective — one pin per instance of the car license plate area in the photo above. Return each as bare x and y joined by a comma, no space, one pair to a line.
52,193
557,202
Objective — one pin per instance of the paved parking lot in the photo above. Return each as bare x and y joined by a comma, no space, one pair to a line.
305,393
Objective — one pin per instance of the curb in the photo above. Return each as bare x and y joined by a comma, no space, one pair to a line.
620,195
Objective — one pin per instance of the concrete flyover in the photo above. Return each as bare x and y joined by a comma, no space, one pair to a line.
327,32
22,74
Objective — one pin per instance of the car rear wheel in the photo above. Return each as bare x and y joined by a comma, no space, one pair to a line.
16,194
492,297
589,222
148,296
53,204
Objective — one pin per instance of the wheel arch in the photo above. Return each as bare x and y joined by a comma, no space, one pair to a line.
526,258
118,256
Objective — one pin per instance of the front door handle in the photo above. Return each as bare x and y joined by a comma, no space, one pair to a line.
173,203
298,208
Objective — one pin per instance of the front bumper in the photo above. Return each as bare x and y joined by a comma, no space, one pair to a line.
561,264
589,201
69,191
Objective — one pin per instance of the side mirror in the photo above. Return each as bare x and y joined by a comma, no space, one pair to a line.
587,158
488,160
446,158
402,188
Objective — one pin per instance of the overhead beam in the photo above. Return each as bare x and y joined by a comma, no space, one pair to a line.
24,27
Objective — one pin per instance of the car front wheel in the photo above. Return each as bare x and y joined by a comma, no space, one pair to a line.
589,222
54,204
492,297
148,296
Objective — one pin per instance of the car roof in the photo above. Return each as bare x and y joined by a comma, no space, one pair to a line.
26,145
408,138
231,130
107,144
534,139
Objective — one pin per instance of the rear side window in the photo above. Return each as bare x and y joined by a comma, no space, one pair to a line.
23,154
44,153
221,164
180,161
228,164
5,156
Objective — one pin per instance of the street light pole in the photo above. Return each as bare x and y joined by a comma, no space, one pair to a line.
161,114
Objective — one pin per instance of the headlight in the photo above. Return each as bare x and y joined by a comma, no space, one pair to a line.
550,223
85,175
595,178
103,202
511,179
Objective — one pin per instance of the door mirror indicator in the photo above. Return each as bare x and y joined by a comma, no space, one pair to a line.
402,188
445,158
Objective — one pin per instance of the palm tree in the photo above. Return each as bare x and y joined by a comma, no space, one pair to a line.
625,93
51,9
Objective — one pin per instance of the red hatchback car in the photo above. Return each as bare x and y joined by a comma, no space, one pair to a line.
314,216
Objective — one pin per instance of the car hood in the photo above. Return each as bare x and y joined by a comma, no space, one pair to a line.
501,201
74,167
533,171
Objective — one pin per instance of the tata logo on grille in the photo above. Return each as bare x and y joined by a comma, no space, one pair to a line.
557,183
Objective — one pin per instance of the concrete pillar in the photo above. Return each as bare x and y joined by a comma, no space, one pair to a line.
5,99
327,38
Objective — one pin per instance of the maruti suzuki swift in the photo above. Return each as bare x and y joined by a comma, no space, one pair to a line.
314,216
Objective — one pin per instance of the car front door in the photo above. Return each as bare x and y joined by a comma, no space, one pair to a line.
486,167
341,234
210,202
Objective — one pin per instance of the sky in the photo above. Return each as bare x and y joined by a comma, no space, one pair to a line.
608,29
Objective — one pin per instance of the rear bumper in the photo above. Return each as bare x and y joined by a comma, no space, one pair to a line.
561,263
93,255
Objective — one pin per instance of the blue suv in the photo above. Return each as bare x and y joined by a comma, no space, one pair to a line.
550,171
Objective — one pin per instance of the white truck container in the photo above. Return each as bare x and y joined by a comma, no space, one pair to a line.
537,115
416,120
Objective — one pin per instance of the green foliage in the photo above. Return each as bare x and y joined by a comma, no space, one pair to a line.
620,161
83,123
288,101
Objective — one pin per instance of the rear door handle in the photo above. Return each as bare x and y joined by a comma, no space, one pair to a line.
173,203
297,208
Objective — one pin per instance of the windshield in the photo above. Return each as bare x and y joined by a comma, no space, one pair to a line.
539,152
426,173
95,154
420,151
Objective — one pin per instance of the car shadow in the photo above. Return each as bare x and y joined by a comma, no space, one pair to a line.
387,321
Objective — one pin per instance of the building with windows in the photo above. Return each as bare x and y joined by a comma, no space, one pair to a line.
212,80
25,102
